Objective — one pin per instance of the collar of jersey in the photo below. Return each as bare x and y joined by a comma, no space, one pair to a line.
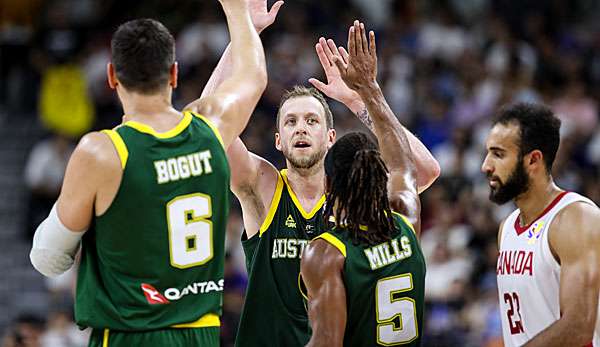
306,215
146,129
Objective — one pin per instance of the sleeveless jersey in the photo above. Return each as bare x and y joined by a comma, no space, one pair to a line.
274,313
155,258
385,287
529,275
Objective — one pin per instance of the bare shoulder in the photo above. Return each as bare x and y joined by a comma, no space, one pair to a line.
500,228
574,228
96,150
209,106
321,257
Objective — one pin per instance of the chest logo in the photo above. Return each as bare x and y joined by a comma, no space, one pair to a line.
290,222
535,232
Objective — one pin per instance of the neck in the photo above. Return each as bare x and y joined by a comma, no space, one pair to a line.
533,202
307,183
136,105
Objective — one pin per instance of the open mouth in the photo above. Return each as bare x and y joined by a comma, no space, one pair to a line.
301,144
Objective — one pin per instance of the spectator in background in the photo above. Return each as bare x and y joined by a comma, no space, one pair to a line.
26,331
44,172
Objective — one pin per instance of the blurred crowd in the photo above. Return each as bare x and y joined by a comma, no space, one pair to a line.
445,66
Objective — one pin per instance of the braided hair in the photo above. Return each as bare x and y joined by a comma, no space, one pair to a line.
357,196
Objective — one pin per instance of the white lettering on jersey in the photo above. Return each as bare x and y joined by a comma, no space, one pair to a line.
182,167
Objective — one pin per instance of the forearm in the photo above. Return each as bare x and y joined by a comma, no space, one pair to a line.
427,167
388,130
247,54
220,73
560,334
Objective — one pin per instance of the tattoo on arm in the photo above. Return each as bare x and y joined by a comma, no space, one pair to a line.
364,117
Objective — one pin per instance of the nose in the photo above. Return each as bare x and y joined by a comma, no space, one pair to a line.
301,129
486,166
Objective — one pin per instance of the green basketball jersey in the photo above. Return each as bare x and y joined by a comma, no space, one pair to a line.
385,288
155,258
274,313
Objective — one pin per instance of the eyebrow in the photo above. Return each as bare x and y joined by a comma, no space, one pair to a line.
494,148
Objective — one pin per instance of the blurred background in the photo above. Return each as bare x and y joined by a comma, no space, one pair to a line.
445,67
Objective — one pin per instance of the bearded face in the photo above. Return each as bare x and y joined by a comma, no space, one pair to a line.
503,191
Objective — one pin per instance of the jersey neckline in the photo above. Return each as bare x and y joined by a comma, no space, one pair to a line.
306,215
146,129
521,229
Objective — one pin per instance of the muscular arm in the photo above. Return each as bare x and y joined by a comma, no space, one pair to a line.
427,167
321,268
233,101
91,180
575,239
360,74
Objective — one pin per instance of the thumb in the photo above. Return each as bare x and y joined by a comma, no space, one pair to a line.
318,84
275,8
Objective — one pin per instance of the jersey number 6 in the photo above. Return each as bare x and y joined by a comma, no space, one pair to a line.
190,230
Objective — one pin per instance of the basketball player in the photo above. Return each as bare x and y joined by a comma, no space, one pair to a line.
282,210
549,263
365,277
149,199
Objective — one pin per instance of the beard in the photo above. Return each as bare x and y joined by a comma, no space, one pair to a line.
516,184
305,162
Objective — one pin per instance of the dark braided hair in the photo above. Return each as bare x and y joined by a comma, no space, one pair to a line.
357,178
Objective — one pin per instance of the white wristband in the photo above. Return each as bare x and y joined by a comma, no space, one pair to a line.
54,246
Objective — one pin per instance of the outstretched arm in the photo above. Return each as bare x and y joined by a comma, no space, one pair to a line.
321,268
233,101
575,239
428,169
360,74
261,19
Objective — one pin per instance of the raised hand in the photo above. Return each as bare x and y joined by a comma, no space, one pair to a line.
261,17
335,87
360,69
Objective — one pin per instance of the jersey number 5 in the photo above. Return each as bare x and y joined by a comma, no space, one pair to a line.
190,230
396,317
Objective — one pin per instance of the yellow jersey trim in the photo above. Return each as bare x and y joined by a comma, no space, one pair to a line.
211,125
306,215
301,288
117,141
334,241
105,338
273,208
208,320
405,221
146,129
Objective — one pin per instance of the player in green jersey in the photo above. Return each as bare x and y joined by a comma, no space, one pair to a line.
365,277
282,210
148,200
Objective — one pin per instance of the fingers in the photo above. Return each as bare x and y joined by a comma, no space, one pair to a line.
332,47
364,41
318,84
325,62
326,49
357,37
351,41
275,8
343,54
337,60
372,46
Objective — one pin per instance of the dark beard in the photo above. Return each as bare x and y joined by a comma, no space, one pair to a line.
516,184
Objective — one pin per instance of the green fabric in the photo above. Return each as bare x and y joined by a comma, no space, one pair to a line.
397,263
135,243
205,337
274,312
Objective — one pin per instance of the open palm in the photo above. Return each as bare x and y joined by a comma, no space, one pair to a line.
261,17
335,87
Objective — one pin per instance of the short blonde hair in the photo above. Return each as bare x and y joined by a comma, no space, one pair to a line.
298,91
